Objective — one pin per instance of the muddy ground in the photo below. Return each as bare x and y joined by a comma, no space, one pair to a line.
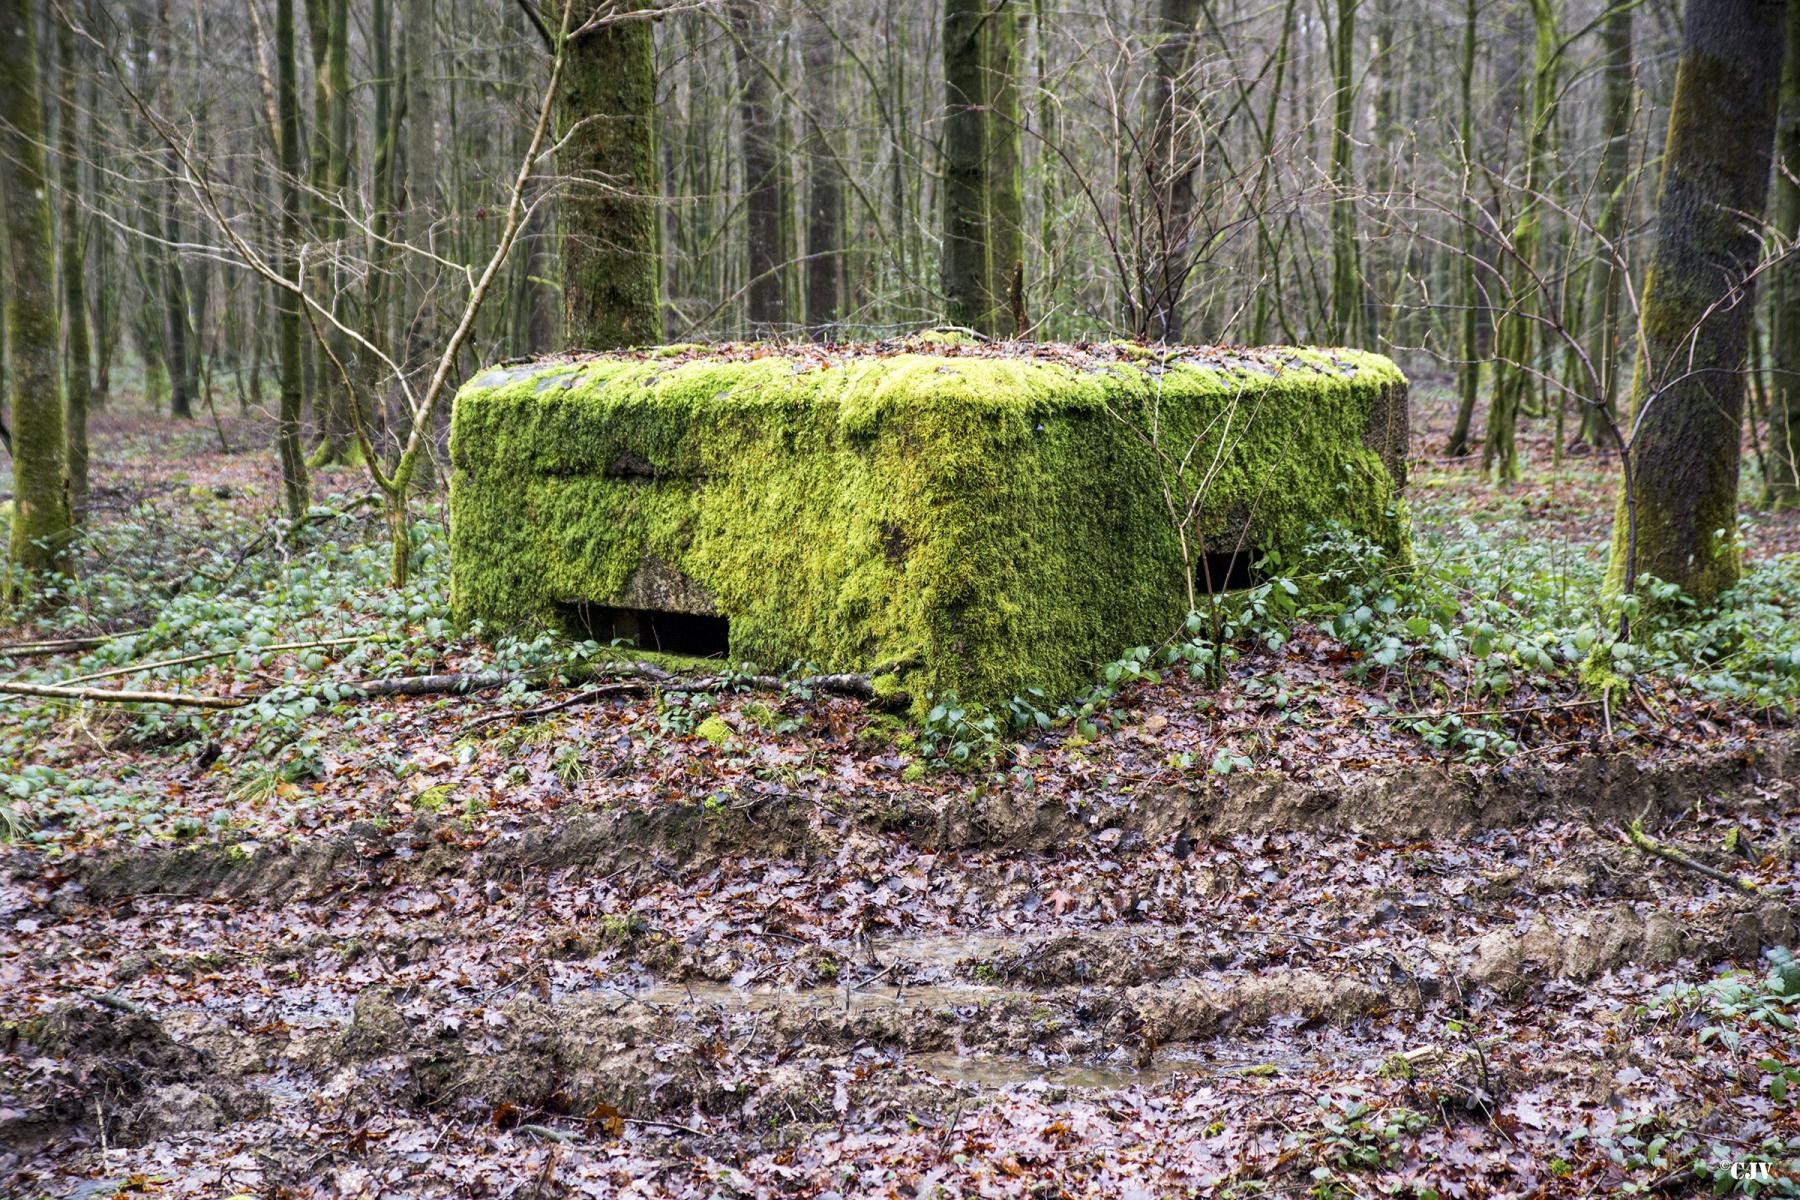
785,995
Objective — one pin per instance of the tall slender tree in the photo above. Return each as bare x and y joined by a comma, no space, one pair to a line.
1613,183
1346,266
328,33
421,175
1677,511
1004,164
607,105
825,181
294,485
1784,343
177,349
77,385
1468,279
41,522
767,206
1517,336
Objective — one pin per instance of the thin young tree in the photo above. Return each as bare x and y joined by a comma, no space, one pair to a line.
1688,391
1346,266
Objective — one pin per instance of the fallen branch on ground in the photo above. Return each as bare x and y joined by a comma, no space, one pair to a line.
1635,836
462,682
49,646
136,668
111,696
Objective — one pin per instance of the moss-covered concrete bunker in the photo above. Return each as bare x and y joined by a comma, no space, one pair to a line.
967,519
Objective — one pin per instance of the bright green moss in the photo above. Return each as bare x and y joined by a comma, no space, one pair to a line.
713,730
970,524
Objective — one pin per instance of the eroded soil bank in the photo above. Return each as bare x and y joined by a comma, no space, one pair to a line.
1271,988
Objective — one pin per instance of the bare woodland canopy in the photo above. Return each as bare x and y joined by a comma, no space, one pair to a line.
341,209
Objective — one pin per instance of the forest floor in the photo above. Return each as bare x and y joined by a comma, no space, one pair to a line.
1363,919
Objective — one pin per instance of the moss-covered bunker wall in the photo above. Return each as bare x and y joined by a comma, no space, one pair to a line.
973,521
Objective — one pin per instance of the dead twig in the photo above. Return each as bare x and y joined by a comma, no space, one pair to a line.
1634,835
654,1124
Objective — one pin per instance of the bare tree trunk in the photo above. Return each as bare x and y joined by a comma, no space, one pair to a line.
611,270
1688,391
420,205
1615,185
1346,267
76,387
294,487
1517,335
386,132
1783,455
825,185
966,250
1468,370
765,198
1170,168
1005,173
105,311
174,286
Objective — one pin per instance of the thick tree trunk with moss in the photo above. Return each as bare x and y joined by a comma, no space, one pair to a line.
1005,170
1784,394
77,390
607,113
294,488
1688,391
766,201
40,524
1171,166
1613,183
966,263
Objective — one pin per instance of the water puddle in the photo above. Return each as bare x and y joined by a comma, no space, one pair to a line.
873,995
944,953
1012,1071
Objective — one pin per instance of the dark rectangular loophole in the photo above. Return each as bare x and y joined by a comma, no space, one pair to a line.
693,634
1228,572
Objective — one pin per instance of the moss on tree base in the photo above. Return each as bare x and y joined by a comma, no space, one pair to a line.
975,520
